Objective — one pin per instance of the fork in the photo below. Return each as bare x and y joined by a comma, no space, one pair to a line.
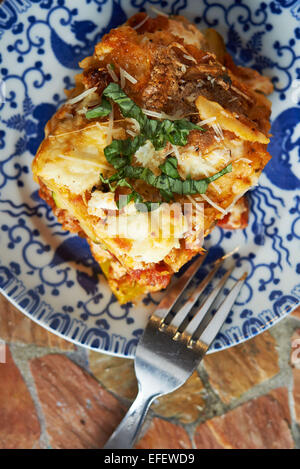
173,345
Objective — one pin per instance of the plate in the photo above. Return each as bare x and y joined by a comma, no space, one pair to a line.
50,274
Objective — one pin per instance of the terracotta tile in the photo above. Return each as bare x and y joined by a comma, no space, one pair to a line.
79,413
232,372
296,313
185,403
16,327
116,374
20,428
262,423
164,435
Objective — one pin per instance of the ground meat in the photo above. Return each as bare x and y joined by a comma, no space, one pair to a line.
159,274
163,85
68,222
95,76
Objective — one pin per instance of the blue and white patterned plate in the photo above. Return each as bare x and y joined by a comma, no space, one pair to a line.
49,274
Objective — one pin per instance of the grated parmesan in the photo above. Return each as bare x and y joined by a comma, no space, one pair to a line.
189,57
161,115
176,152
238,91
141,23
158,12
218,131
134,122
112,73
125,75
242,159
81,96
207,121
212,203
132,134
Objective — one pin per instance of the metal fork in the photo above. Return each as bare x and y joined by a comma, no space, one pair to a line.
173,345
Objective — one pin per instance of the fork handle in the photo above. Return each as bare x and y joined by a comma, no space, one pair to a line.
125,436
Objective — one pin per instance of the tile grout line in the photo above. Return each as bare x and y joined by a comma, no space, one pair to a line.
23,363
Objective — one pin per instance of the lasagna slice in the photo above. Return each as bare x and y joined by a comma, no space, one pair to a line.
160,117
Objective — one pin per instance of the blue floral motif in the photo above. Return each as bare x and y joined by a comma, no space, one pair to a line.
49,273
295,233
282,145
240,15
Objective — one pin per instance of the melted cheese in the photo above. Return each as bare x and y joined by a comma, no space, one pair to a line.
192,164
148,157
74,174
99,201
151,250
152,235
75,161
228,121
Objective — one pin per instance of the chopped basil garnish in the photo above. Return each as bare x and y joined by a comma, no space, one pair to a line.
158,132
167,185
100,111
119,153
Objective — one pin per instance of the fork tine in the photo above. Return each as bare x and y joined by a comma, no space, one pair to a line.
214,326
193,325
175,291
181,315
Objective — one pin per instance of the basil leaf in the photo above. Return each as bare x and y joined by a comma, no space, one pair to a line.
169,167
167,196
158,132
100,111
126,105
123,201
127,148
225,170
169,185
119,153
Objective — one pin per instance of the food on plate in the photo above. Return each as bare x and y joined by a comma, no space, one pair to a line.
237,218
160,119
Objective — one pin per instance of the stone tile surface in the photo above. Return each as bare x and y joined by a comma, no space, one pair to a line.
16,327
262,423
79,413
234,371
116,374
19,425
185,404
164,435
